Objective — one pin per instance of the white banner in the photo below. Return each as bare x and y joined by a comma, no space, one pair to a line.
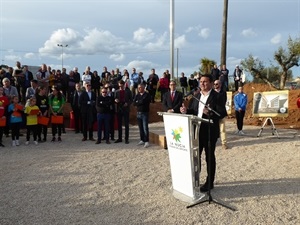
177,132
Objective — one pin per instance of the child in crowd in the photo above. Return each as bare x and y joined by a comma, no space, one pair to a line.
56,105
32,111
4,102
15,110
43,104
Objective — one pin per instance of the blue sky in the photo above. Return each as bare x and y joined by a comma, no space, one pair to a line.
135,33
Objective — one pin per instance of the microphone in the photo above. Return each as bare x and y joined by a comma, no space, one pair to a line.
191,92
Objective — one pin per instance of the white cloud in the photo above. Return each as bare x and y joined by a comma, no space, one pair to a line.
180,41
61,36
160,44
29,55
143,35
276,39
191,29
12,58
117,57
249,33
204,33
141,65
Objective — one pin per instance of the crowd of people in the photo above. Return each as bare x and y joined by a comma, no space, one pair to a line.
95,98
103,98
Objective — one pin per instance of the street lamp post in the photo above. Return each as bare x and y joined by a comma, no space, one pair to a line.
62,54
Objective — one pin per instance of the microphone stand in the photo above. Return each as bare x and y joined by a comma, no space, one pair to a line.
208,198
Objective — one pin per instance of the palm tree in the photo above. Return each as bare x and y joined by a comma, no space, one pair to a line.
206,65
224,34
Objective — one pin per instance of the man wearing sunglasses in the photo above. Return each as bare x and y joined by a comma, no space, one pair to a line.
87,104
223,98
104,104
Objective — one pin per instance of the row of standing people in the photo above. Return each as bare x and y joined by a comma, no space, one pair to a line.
17,115
88,108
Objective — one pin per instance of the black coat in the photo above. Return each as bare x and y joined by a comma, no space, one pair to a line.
128,99
214,103
88,106
175,104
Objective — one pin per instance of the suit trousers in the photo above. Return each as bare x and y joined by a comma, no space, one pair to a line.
120,116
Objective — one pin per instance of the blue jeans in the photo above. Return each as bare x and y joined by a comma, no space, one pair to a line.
103,120
143,121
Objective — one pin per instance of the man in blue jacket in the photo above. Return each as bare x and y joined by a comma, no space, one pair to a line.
240,103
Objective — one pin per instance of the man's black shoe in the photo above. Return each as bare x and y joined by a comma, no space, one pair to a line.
204,188
2,145
98,142
126,142
118,141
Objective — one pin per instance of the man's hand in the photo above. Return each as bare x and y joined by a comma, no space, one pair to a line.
183,109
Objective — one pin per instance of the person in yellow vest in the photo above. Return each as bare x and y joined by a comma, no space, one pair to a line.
31,111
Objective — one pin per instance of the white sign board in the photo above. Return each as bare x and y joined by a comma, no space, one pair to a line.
177,132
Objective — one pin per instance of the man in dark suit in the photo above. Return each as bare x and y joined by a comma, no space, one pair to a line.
87,102
173,99
209,133
76,108
123,99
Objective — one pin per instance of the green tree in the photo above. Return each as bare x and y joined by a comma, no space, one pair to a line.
286,58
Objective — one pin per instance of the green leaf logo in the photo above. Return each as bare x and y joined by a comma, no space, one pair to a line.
177,134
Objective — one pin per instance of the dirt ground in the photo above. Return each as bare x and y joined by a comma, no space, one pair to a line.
292,121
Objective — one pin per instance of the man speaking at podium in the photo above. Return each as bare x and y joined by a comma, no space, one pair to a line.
204,104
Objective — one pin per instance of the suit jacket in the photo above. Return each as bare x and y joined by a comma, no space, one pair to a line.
88,108
86,104
175,104
75,101
214,103
128,100
223,99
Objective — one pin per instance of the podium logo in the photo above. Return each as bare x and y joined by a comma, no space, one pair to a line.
176,133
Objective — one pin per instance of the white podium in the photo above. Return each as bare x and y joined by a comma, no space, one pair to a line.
181,132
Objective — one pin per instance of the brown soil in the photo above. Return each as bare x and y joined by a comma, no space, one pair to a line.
292,121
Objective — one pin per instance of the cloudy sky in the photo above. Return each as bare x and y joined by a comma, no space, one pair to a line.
135,33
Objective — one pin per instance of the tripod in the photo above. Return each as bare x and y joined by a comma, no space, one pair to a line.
208,198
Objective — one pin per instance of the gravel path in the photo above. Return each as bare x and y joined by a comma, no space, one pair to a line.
77,182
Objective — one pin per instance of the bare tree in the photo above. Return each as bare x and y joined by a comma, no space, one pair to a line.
286,58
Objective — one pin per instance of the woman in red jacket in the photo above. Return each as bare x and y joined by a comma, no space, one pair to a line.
163,86
3,106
